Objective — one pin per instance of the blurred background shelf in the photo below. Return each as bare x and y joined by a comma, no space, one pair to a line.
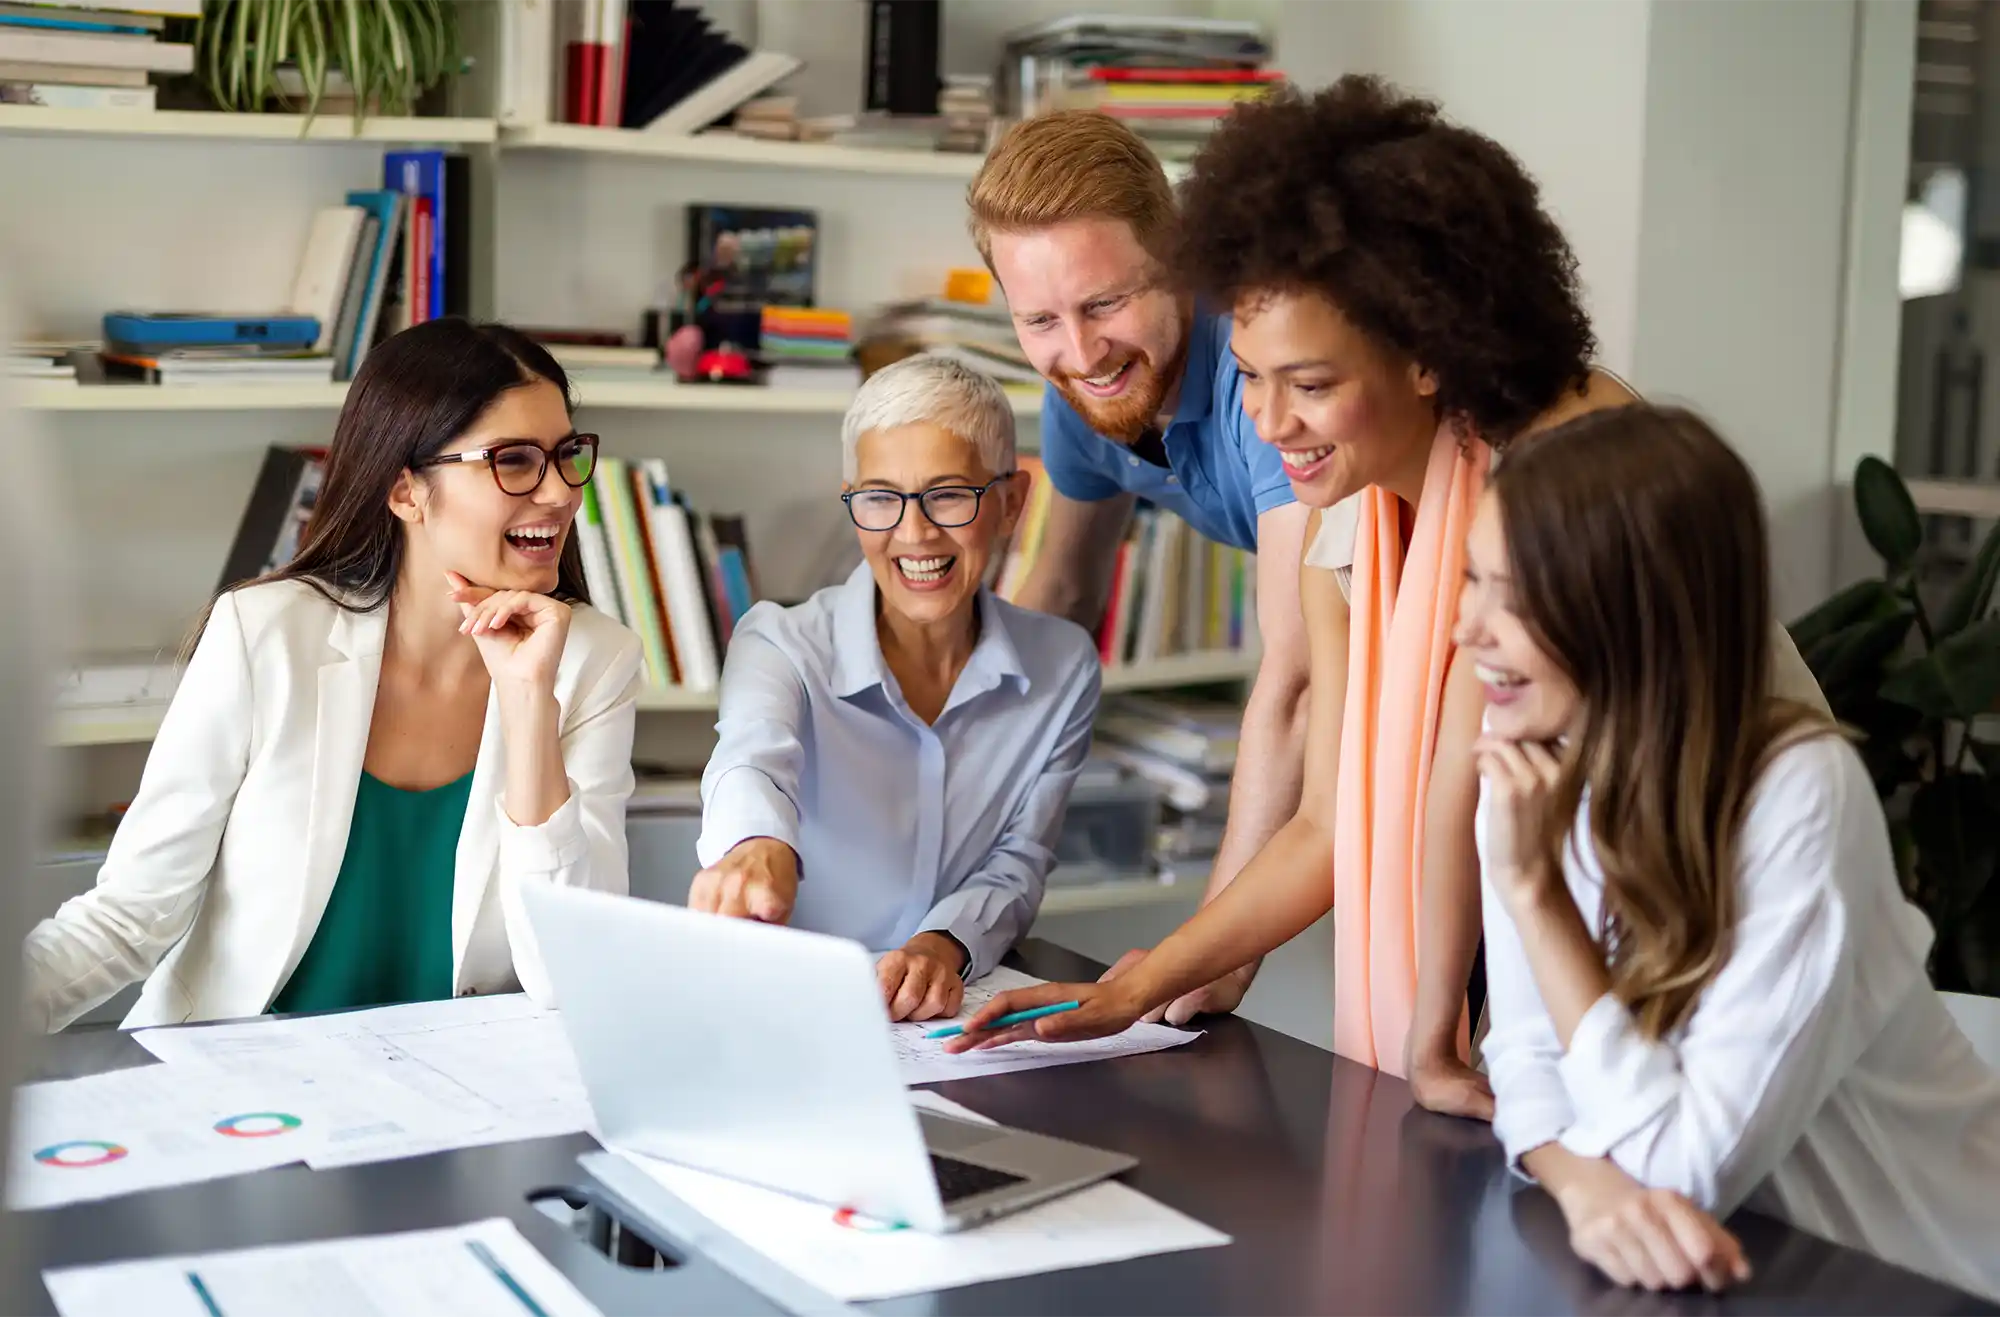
215,124
136,723
730,149
624,395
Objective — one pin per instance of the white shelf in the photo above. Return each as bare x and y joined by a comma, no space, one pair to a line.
668,395
213,124
1963,498
602,394
1182,670
135,724
66,396
727,148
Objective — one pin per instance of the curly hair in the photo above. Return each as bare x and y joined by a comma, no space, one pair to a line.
1427,236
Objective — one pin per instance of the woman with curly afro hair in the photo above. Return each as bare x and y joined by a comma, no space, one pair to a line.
1403,310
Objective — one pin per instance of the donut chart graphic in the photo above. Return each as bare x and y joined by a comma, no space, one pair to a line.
80,1154
849,1219
257,1124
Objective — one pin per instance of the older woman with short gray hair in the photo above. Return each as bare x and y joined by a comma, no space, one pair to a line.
896,753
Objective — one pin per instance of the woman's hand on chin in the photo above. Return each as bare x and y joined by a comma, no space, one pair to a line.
520,634
1520,781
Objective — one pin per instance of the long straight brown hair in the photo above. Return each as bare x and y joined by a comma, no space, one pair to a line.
415,393
1640,560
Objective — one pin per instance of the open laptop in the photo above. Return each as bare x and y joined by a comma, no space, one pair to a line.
764,1054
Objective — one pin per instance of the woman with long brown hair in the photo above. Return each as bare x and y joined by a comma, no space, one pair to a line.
374,747
1707,986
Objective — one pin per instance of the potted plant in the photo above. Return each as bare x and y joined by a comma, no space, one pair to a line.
1915,680
382,54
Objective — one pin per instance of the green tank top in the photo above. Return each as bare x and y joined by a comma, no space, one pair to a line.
386,934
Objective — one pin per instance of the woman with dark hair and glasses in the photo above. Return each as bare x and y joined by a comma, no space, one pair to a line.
375,746
896,752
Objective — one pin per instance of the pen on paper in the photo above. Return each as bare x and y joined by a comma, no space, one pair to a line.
500,1273
201,1292
1004,1021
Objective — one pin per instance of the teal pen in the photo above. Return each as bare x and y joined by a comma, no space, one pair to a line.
208,1302
505,1277
1014,1017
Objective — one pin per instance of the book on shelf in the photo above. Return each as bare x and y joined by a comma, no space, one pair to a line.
679,579
1172,592
92,45
66,96
274,518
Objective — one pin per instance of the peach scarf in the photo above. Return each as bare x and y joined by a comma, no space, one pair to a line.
1401,606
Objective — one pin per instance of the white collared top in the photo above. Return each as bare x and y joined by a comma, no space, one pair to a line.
1820,1078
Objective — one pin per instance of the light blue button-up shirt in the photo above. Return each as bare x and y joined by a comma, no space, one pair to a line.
901,828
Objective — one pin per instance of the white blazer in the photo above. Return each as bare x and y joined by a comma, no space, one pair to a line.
221,868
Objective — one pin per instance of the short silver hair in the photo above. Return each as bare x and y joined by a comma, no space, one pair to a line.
929,390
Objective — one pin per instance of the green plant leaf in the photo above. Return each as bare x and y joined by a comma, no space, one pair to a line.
1958,679
1888,514
1860,602
1972,597
1957,835
1886,730
1851,660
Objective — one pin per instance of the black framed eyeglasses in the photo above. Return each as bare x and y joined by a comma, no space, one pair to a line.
519,467
947,506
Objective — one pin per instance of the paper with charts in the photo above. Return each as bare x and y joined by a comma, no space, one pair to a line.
853,1259
150,1127
479,1069
485,1269
925,1061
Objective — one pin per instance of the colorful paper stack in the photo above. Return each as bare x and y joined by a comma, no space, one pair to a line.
808,347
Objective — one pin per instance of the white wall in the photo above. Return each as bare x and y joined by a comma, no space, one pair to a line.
1741,248
1697,155
1558,82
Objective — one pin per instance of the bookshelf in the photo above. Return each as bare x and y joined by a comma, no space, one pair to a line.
136,724
640,395
1957,498
216,125
729,149
66,396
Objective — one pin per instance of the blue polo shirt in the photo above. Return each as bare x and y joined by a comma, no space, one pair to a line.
1222,477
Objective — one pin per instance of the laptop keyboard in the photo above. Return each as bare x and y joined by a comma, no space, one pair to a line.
957,1179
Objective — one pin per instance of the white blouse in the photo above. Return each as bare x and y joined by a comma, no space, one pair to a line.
1820,1078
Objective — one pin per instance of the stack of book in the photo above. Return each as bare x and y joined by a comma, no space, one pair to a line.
61,55
1172,592
679,579
966,108
1171,79
808,348
1186,748
979,334
598,354
1158,102
30,359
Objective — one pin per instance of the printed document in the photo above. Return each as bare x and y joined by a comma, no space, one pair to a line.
481,1270
486,1069
854,1259
152,1126
925,1061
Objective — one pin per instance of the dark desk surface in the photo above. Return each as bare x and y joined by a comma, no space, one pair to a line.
1341,1197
